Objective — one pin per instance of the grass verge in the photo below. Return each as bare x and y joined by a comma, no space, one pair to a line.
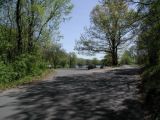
26,80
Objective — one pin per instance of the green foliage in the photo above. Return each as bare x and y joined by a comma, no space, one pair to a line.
26,33
6,73
149,49
81,62
111,22
151,77
24,65
25,80
39,9
149,37
151,90
56,56
88,61
107,60
64,62
27,64
72,59
126,58
95,61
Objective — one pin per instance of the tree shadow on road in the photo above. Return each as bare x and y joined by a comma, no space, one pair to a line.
84,97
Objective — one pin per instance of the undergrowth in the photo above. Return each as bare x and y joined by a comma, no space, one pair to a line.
151,90
26,80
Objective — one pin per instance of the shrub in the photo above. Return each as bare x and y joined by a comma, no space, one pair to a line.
27,64
20,67
24,65
6,73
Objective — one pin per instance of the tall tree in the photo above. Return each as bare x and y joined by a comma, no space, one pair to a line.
112,23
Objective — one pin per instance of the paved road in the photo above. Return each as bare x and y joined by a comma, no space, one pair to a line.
108,94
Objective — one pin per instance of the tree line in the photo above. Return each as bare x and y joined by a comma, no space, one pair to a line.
149,54
29,38
29,30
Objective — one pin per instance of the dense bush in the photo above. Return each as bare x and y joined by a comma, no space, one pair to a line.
23,65
27,64
6,73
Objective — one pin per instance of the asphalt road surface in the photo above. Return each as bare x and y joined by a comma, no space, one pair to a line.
99,94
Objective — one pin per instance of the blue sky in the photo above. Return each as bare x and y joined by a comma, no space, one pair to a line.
80,17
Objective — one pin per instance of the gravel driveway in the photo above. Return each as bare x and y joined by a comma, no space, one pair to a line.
108,94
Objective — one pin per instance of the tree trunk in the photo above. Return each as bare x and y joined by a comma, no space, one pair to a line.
114,57
114,52
19,29
30,29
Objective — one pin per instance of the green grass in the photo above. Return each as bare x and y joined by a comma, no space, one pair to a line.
26,80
